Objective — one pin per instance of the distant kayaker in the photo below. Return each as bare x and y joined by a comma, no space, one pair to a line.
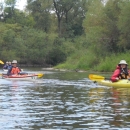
14,69
6,65
9,65
121,71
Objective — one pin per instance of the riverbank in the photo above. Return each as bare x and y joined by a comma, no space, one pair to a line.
55,69
100,64
78,71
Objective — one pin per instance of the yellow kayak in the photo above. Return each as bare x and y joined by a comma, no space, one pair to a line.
124,83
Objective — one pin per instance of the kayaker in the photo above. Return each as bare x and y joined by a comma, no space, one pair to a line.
14,69
6,65
9,65
121,71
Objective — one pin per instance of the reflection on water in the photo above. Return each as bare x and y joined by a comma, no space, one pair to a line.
56,102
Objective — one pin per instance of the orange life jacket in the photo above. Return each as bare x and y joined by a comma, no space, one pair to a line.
15,70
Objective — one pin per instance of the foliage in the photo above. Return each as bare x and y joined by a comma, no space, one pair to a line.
112,11
95,27
40,10
85,34
124,26
80,60
110,62
68,15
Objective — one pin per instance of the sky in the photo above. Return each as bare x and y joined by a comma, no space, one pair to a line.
20,4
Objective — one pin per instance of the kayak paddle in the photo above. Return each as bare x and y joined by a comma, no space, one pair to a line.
40,75
96,77
1,62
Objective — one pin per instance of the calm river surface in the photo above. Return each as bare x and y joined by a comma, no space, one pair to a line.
62,101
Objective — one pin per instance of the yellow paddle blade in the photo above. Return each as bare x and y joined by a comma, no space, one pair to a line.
1,62
40,75
96,77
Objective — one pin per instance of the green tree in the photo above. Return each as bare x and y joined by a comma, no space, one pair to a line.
112,11
124,26
95,27
101,26
41,12
8,33
9,9
70,15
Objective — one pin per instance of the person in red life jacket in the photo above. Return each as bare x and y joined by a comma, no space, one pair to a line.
121,71
14,69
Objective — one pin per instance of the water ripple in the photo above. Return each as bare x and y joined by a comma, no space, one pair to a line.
62,104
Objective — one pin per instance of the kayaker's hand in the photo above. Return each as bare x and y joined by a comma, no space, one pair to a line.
117,79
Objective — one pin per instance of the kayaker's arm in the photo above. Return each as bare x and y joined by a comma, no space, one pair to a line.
115,76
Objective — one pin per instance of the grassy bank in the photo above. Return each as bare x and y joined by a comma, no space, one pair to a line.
84,60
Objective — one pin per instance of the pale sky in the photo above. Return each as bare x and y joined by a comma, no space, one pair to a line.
20,4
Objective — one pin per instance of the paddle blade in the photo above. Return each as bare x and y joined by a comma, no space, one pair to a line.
96,77
40,75
1,62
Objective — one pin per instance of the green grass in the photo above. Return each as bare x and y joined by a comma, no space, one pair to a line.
109,63
86,60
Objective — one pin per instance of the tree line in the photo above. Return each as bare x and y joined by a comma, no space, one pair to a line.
49,32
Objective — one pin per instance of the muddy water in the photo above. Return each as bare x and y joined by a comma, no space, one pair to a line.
63,100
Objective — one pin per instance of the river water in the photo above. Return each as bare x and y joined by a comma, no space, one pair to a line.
62,101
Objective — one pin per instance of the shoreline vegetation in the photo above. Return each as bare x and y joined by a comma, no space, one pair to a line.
66,35
87,63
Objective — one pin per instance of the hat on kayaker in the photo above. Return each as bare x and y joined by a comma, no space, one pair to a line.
7,62
122,62
14,62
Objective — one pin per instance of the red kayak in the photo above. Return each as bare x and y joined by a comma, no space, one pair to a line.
23,76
